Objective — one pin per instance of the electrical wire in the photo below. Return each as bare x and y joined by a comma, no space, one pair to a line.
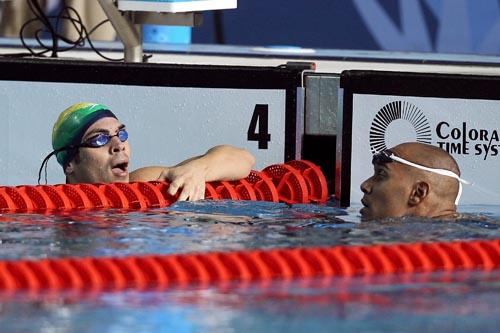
66,13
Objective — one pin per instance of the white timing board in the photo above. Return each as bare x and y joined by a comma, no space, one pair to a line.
468,129
166,125
176,6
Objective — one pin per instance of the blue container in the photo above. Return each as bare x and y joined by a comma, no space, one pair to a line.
166,34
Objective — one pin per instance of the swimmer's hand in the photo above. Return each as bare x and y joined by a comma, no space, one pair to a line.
188,178
218,163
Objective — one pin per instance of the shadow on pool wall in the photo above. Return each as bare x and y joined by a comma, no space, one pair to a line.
320,149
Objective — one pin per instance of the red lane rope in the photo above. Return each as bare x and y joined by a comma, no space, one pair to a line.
293,182
314,178
291,185
156,271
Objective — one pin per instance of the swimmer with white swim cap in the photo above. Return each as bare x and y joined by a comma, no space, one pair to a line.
91,145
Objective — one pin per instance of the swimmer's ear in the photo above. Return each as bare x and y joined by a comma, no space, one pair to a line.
69,168
418,193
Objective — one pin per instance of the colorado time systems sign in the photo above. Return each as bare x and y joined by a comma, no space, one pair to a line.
457,138
462,139
467,129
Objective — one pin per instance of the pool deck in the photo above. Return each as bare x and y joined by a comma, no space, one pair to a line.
327,60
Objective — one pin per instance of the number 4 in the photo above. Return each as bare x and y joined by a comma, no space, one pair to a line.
260,115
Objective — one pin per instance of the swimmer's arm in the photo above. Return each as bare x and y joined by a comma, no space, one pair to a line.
223,162
219,163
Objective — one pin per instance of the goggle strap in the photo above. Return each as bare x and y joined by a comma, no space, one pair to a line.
459,194
44,164
442,172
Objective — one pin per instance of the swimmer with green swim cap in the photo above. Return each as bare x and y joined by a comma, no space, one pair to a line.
92,146
71,125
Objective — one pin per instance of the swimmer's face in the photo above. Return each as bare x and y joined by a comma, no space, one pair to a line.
386,192
105,164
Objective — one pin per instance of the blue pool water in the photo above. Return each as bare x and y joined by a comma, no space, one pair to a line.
444,302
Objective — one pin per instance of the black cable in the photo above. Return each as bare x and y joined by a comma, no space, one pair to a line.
31,52
65,13
35,8
83,33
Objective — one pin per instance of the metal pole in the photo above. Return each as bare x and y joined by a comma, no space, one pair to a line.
129,33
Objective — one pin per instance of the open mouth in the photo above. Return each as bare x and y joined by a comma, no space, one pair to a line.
365,208
120,169
364,203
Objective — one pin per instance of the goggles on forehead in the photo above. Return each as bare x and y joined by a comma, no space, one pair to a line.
387,156
96,141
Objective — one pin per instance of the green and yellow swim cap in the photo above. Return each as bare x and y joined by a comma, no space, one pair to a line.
71,126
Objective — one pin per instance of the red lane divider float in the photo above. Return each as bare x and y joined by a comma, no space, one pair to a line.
292,182
314,178
162,271
291,185
263,186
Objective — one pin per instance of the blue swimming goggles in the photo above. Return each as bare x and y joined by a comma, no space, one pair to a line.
102,139
387,156
96,141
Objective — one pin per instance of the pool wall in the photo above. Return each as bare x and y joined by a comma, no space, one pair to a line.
276,111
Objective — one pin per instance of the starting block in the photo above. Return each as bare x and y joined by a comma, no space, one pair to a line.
127,16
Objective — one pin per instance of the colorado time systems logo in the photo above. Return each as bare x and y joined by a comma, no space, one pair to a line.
397,122
401,121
